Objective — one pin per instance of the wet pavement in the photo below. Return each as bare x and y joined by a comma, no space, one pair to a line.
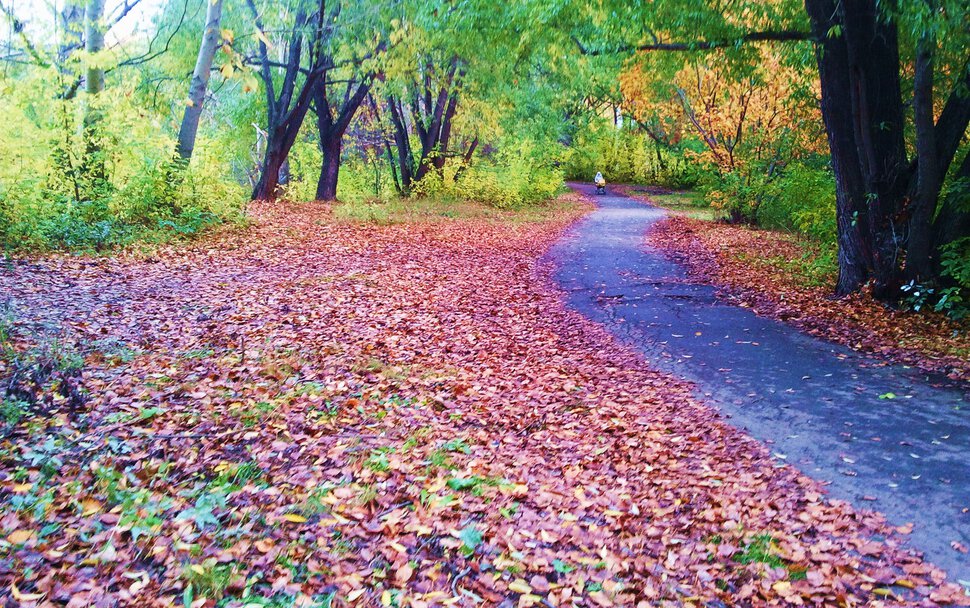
884,437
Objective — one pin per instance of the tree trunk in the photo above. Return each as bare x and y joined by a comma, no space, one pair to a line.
94,43
93,165
402,141
858,62
269,177
200,80
878,120
851,212
330,169
919,262
444,140
332,128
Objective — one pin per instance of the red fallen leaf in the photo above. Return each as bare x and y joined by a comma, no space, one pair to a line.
958,546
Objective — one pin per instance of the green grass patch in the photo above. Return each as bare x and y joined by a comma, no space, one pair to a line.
687,203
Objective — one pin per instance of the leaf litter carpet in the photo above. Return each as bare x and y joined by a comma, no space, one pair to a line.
315,413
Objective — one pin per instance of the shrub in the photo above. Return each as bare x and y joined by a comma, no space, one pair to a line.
56,193
514,178
803,200
626,156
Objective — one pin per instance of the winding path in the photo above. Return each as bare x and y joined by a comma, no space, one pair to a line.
817,404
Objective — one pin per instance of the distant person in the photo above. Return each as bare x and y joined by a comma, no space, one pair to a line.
600,182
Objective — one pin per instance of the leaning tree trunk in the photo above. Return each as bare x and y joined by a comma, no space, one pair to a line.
200,80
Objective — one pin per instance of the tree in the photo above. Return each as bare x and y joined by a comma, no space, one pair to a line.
332,123
211,37
892,222
886,202
93,85
286,110
430,107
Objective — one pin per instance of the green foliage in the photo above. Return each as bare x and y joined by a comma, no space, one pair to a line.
66,185
513,178
952,297
803,200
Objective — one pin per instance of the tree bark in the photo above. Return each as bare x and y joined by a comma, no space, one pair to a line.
200,80
93,166
402,141
330,170
94,43
855,265
878,121
331,128
919,252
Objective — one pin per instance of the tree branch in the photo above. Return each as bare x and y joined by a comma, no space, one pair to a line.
704,45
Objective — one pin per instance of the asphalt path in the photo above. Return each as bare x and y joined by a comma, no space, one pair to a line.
884,437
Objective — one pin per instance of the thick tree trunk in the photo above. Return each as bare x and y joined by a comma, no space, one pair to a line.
331,129
919,252
269,176
200,80
852,213
858,61
878,120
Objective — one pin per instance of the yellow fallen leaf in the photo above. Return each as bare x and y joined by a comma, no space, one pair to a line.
520,586
386,598
884,592
24,597
293,517
20,488
197,569
782,587
19,537
355,594
91,506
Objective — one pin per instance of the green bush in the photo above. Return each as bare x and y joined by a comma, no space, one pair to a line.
67,187
803,200
511,179
629,157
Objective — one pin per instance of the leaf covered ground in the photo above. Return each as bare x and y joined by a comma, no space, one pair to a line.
313,412
776,275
